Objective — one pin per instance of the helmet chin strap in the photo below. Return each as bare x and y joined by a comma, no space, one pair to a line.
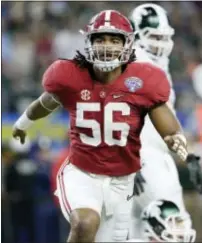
106,66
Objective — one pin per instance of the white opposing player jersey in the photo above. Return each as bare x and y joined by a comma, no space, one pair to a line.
149,135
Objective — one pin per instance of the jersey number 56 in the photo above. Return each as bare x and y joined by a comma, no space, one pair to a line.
108,127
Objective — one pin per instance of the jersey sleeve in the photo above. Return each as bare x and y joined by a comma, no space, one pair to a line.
56,78
159,91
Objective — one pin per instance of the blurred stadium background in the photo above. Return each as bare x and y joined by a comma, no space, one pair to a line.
33,35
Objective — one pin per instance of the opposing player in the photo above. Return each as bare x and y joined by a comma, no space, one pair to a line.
107,96
153,38
153,43
162,221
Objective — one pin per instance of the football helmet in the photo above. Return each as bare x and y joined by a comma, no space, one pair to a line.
152,30
112,22
164,222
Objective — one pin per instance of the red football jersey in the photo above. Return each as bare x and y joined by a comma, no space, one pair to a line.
106,120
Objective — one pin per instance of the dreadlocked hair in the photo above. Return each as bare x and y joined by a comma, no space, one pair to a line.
81,61
132,56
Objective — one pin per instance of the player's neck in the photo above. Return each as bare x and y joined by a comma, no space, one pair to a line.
107,77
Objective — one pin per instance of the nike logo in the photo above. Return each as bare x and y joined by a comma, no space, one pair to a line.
129,197
117,96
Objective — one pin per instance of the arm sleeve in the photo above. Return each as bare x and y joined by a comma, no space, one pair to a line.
56,77
159,89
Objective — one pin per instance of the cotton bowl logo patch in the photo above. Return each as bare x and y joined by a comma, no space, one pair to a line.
133,83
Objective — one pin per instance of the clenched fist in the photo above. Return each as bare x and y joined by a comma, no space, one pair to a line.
177,143
19,134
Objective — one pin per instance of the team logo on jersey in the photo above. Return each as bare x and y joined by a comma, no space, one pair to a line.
133,83
102,94
85,94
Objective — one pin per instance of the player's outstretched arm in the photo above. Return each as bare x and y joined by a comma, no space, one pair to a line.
170,130
38,109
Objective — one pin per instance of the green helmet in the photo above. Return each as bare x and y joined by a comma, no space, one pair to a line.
164,222
152,30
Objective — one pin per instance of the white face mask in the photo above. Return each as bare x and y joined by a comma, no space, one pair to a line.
108,57
177,229
158,44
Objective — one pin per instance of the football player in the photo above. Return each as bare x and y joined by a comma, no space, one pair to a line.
107,95
159,176
162,221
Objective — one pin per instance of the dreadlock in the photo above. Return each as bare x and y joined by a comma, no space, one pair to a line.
81,61
132,57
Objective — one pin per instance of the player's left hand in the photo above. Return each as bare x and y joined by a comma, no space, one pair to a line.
177,143
19,134
195,171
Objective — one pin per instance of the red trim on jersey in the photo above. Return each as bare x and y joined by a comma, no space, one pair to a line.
62,188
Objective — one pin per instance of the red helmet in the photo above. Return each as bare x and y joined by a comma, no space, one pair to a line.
113,22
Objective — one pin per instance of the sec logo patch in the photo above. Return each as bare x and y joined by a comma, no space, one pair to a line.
85,94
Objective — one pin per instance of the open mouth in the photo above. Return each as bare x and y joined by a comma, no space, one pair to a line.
107,56
106,53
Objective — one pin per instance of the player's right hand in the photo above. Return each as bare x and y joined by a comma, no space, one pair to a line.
178,144
19,134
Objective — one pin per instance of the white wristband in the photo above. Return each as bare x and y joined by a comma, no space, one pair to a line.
23,123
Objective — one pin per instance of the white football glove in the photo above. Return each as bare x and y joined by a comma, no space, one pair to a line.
178,144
